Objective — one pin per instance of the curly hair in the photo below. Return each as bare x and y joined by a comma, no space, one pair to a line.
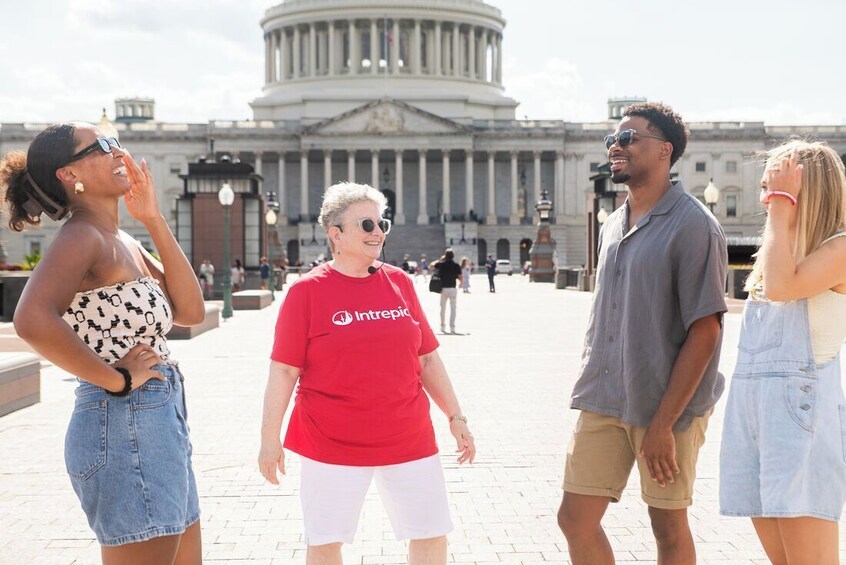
663,120
47,153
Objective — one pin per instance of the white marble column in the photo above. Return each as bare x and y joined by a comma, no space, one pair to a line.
304,215
257,168
312,50
499,59
471,52
284,50
269,56
394,46
327,169
399,214
514,218
483,55
282,192
374,169
436,67
351,165
456,50
558,199
417,51
331,48
355,56
445,185
423,212
374,47
537,157
468,182
297,66
491,219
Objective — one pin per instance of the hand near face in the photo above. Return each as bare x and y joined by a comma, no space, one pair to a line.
784,175
141,199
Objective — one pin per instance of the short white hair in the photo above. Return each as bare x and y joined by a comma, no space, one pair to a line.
341,196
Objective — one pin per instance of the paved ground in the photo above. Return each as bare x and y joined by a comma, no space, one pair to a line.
513,370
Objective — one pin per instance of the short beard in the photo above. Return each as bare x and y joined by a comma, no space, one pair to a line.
620,178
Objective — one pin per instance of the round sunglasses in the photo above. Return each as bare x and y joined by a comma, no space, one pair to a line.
625,138
104,144
367,225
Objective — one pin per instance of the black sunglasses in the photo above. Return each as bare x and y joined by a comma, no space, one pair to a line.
625,137
368,225
104,144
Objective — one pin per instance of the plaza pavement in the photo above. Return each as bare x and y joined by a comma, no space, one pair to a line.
513,371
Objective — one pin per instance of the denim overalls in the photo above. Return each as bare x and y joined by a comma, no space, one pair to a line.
782,451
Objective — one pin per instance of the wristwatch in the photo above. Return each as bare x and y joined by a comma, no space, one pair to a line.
458,417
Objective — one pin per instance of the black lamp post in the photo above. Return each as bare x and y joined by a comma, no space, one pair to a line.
270,219
543,248
226,197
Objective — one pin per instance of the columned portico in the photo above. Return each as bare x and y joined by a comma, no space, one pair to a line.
399,216
491,217
468,183
423,213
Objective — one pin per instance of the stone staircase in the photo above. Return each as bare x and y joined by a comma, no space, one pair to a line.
415,241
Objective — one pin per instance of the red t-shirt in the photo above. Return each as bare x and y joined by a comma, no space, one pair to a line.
360,400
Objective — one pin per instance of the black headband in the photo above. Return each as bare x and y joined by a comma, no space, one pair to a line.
39,201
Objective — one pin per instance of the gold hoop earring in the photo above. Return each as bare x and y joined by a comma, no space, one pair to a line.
78,187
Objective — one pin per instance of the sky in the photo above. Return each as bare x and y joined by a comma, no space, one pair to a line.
777,61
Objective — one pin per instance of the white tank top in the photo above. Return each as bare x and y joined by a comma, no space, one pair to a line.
827,318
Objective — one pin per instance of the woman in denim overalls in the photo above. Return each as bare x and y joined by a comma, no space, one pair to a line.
783,459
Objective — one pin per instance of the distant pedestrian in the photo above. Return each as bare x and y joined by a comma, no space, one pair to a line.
264,272
490,265
361,413
450,274
424,268
465,275
206,277
238,275
782,455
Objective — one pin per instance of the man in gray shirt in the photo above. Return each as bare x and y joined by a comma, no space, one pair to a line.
649,377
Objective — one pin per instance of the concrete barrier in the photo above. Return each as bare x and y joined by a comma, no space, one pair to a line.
211,321
20,381
251,299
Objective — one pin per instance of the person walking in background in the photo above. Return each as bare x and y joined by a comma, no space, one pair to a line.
238,276
490,265
98,305
782,454
424,267
450,274
361,412
649,378
206,277
264,272
465,275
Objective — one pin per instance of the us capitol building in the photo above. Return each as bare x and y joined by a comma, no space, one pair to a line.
407,97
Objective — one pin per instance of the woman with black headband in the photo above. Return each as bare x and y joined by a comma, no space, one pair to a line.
98,305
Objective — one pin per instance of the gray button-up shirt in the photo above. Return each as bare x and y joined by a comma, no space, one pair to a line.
652,283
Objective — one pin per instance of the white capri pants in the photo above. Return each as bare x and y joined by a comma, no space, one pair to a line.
413,495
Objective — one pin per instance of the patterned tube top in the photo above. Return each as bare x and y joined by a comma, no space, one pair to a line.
112,319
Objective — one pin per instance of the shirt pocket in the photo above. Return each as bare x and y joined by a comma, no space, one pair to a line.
763,328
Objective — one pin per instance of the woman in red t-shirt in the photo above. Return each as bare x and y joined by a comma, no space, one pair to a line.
352,338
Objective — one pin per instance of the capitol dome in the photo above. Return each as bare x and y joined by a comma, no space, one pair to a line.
323,58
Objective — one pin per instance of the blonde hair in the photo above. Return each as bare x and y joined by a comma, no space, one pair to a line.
821,202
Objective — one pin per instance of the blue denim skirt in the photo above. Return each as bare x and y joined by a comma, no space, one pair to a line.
129,460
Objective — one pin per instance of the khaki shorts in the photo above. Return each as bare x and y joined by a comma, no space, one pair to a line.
603,450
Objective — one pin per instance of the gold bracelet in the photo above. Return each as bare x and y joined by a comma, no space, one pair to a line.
458,417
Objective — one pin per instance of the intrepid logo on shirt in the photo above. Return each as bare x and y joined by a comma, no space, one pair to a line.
345,318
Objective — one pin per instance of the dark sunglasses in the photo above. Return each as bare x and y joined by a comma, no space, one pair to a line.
625,138
368,225
104,144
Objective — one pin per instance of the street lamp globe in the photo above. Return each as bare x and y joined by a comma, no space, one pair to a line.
602,215
226,196
711,194
270,217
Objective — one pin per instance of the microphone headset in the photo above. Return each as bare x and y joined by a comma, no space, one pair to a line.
371,270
